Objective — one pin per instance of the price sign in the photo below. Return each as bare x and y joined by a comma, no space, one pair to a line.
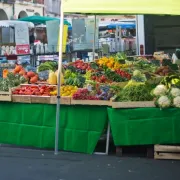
23,49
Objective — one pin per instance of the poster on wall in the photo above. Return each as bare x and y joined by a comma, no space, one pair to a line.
78,34
21,34
83,34
22,39
53,36
90,30
52,28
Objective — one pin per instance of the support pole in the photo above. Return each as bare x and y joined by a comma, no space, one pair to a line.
94,40
107,139
58,111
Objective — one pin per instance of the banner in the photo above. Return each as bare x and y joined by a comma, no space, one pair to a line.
65,36
83,34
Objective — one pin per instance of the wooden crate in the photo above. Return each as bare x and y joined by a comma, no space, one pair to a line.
21,98
167,152
40,99
137,104
5,96
63,100
90,102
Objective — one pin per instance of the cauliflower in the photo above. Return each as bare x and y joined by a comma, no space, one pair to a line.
160,90
164,102
176,102
175,92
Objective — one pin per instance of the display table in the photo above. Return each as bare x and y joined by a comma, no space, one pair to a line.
145,126
34,125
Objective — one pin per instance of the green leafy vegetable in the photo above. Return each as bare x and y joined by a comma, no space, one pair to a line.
49,65
135,91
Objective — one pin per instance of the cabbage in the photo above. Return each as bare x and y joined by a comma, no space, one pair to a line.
176,102
175,92
164,102
160,90
137,73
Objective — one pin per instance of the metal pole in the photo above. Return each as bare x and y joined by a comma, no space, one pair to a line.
137,37
59,81
107,139
94,40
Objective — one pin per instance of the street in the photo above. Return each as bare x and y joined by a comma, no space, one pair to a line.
24,164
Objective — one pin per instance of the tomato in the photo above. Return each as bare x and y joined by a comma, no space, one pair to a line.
41,91
37,93
43,87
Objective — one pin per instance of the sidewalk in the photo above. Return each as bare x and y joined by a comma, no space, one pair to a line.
23,164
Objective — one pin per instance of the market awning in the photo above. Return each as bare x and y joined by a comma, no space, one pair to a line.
9,23
41,19
122,6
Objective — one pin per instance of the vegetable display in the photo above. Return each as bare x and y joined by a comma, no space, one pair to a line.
117,78
135,91
48,66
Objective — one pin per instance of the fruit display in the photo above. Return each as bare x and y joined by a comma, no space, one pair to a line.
34,90
68,90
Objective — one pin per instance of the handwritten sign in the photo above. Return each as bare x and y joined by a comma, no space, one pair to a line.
21,34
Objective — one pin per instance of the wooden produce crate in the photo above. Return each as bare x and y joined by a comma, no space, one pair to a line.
63,100
90,102
5,96
40,99
135,104
21,98
167,152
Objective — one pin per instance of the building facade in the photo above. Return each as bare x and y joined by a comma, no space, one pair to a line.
52,8
15,9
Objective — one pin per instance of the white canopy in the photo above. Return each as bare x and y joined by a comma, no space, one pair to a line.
8,23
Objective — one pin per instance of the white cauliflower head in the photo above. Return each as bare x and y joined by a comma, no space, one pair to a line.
176,102
160,90
164,102
175,92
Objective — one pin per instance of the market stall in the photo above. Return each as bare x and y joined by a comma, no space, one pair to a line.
92,94
106,7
